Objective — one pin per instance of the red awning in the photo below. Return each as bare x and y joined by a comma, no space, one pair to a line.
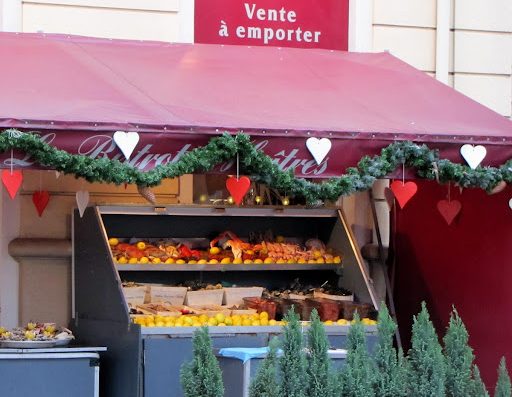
56,84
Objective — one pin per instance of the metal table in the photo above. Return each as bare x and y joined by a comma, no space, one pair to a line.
51,372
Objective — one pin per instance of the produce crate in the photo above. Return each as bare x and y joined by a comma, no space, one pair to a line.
135,296
349,308
262,305
204,297
349,298
159,309
173,295
209,310
327,309
236,295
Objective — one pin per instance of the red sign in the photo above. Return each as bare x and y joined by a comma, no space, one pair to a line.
279,23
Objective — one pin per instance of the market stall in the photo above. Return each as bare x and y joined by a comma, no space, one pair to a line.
308,113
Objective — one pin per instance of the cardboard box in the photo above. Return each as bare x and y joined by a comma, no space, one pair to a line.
204,297
135,295
236,295
172,295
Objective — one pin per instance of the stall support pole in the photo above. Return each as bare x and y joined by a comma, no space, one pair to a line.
382,260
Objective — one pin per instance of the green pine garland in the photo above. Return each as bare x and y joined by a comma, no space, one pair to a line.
261,167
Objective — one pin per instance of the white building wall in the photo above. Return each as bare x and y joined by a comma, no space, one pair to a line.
480,43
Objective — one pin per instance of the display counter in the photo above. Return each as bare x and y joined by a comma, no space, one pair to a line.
144,361
50,372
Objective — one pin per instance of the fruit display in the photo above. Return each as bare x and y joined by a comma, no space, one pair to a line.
298,290
221,320
226,248
36,332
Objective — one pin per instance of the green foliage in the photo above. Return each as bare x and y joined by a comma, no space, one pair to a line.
261,167
265,383
357,376
319,379
390,375
459,358
477,386
427,373
503,388
202,376
293,361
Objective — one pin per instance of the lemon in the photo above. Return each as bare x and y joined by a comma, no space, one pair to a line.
113,241
141,245
213,261
311,261
268,260
272,322
122,260
246,322
160,324
317,254
342,321
212,321
220,317
263,315
150,324
228,321
132,261
264,322
196,324
336,259
169,260
301,260
225,261
320,260
156,261
202,262
214,250
258,261
280,260
247,261
203,318
192,262
237,322
188,320
237,261
144,259
221,325
256,323
180,262
291,260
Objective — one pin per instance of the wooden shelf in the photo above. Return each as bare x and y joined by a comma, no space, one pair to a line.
226,268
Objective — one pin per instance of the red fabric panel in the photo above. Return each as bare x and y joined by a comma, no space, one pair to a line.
467,264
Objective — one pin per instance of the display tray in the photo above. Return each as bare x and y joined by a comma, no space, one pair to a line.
227,267
34,344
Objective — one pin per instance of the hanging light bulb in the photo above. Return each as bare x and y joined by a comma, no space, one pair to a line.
286,200
258,200
230,200
203,198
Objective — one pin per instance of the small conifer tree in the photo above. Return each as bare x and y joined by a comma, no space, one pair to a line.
357,376
427,373
202,376
477,386
293,362
459,358
319,381
265,383
503,388
390,375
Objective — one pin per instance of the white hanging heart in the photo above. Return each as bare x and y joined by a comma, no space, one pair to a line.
57,174
82,199
126,141
473,154
318,148
510,203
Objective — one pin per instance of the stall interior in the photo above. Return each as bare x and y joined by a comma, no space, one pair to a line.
238,269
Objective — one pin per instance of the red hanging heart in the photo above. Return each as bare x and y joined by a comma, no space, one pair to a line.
449,209
403,191
238,187
12,182
40,200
